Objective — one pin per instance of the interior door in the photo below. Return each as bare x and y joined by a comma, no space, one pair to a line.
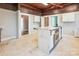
46,21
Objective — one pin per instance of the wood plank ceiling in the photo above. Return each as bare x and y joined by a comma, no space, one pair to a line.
41,7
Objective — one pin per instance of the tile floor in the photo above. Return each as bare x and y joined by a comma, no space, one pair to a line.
27,46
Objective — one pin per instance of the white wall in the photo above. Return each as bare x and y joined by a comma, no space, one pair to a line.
36,21
31,23
69,28
31,18
8,23
42,21
77,24
22,24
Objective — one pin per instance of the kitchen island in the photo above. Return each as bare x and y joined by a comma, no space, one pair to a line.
48,38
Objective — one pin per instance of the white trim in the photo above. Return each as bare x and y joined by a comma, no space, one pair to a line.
8,38
19,22
19,18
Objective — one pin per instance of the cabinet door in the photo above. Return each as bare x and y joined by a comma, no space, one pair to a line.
46,21
68,17
37,19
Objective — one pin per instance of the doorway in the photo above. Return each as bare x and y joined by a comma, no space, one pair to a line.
54,21
46,21
24,24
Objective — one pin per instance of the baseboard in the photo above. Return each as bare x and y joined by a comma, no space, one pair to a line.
8,38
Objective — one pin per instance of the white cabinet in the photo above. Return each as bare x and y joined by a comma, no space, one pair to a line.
37,18
48,38
68,17
36,22
45,42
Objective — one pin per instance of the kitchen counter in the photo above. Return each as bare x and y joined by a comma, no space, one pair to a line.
48,38
49,28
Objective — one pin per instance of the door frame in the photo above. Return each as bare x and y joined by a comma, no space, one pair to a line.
19,22
23,22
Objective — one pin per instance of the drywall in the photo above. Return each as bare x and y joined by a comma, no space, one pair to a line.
36,22
42,21
76,34
30,24
21,24
8,23
68,28
33,22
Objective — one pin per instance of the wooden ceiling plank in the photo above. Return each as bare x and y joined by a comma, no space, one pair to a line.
33,6
30,7
45,8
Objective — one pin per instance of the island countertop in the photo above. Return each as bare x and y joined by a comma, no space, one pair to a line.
49,28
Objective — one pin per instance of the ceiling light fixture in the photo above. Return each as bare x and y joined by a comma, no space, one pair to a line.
45,3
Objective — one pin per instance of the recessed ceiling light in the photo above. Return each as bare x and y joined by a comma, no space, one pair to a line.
45,3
